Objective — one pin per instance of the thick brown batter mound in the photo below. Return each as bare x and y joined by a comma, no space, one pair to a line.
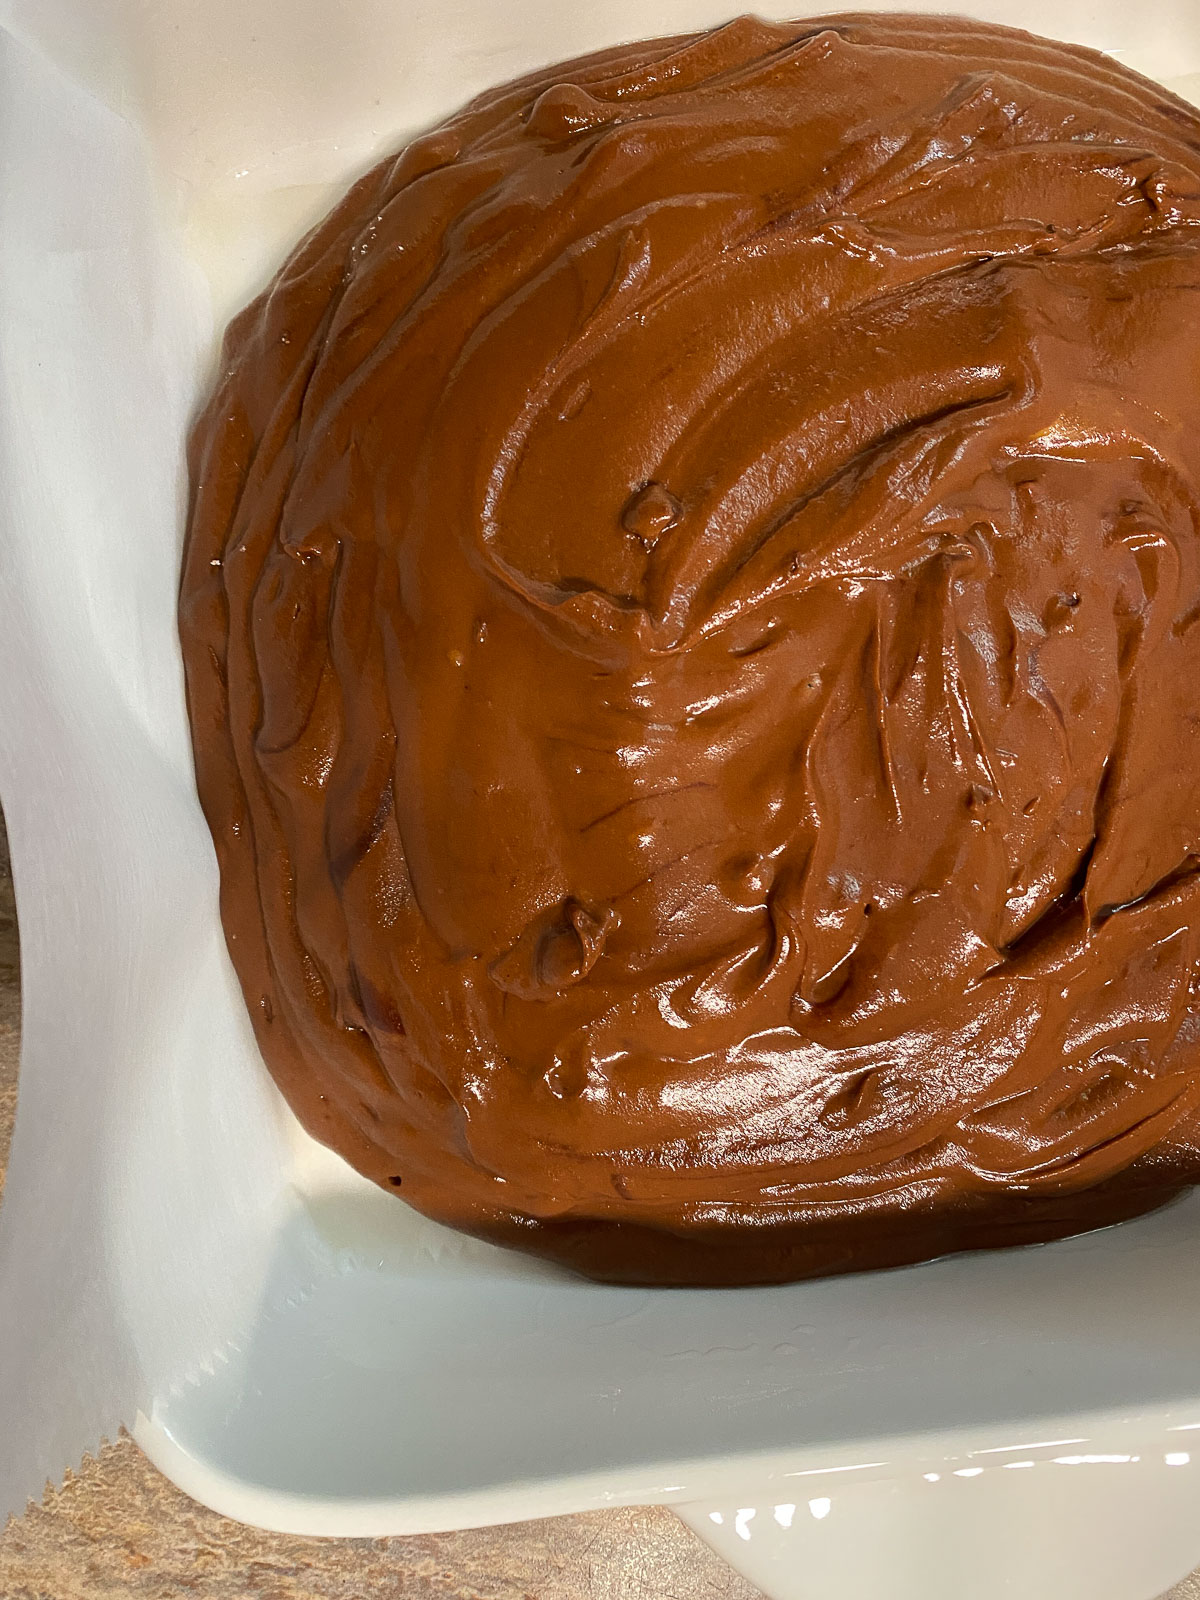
691,619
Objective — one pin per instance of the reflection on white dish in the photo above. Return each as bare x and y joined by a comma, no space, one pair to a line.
1034,1527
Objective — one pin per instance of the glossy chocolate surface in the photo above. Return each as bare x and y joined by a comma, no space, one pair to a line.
690,613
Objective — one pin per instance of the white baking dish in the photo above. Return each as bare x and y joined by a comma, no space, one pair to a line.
294,1347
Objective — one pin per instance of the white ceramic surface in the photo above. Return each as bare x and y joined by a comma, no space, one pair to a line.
1111,1512
300,1350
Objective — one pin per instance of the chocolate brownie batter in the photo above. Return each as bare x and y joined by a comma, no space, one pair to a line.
692,625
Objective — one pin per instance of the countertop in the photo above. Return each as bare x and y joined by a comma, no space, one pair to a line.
117,1530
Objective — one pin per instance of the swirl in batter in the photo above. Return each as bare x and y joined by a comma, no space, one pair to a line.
692,624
